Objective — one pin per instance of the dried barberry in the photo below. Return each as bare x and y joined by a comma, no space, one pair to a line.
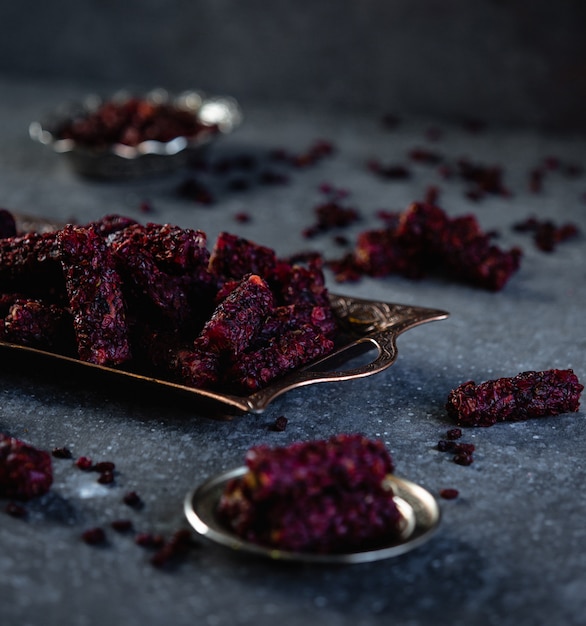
177,546
25,471
84,463
122,525
149,540
331,214
524,396
280,424
463,458
62,453
445,445
320,496
104,466
546,234
454,433
94,536
449,493
242,217
106,478
485,179
317,151
133,500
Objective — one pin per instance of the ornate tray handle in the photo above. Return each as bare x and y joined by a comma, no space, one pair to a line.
378,324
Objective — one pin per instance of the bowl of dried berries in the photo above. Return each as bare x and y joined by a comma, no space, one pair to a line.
129,135
327,501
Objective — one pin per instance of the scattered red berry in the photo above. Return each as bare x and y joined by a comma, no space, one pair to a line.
280,424
84,463
177,546
242,217
94,536
104,466
449,493
149,540
546,234
62,453
132,499
463,458
122,525
106,478
331,215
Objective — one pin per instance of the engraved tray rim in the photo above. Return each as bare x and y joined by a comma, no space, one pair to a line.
372,324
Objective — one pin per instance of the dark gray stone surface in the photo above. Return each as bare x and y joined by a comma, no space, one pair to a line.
509,549
511,61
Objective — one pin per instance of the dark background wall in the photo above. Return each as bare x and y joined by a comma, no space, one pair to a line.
509,61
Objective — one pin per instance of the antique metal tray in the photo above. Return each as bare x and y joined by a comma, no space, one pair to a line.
418,507
368,326
221,114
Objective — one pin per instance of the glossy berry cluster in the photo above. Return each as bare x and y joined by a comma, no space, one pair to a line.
153,298
25,471
525,396
321,496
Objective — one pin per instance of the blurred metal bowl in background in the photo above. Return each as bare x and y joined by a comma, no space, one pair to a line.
218,115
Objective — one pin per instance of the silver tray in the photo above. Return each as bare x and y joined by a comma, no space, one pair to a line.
120,161
367,325
418,507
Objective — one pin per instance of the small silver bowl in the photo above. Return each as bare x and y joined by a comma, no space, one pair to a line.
220,115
